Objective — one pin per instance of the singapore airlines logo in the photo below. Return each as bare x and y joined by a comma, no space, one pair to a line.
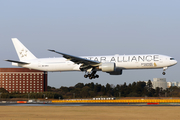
23,53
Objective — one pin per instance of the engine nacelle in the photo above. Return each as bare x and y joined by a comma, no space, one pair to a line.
117,71
107,67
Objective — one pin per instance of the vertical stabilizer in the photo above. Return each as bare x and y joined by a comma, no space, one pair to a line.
22,51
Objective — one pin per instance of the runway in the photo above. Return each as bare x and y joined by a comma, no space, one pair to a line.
86,104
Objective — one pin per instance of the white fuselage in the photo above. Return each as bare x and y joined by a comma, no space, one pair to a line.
146,61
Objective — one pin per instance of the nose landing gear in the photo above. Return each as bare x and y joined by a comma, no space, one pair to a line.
163,73
164,69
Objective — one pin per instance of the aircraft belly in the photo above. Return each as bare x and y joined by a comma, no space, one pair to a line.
61,67
138,65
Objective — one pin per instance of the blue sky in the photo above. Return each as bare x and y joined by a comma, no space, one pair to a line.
96,27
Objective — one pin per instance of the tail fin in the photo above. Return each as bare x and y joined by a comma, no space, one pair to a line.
22,51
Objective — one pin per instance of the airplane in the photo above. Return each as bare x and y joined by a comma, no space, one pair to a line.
112,64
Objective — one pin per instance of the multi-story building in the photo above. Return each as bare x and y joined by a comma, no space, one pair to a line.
159,82
169,84
174,84
23,80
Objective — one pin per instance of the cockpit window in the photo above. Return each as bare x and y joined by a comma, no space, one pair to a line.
172,59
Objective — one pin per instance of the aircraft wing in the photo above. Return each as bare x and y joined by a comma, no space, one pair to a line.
78,60
17,61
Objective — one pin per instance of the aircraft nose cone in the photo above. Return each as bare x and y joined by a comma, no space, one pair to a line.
175,62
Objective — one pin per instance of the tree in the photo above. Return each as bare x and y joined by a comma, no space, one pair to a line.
2,90
79,85
149,85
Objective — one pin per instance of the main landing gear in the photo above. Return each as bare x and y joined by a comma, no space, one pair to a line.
93,75
164,69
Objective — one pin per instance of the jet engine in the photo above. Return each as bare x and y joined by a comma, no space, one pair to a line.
110,68
117,71
107,67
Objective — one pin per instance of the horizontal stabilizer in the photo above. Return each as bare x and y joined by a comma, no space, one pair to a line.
17,61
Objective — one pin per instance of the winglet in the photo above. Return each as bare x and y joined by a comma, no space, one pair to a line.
51,50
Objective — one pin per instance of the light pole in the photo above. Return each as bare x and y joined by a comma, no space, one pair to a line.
0,95
28,96
119,94
74,95
44,95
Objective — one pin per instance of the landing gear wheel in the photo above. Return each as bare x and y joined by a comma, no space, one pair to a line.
91,75
97,76
85,76
163,73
